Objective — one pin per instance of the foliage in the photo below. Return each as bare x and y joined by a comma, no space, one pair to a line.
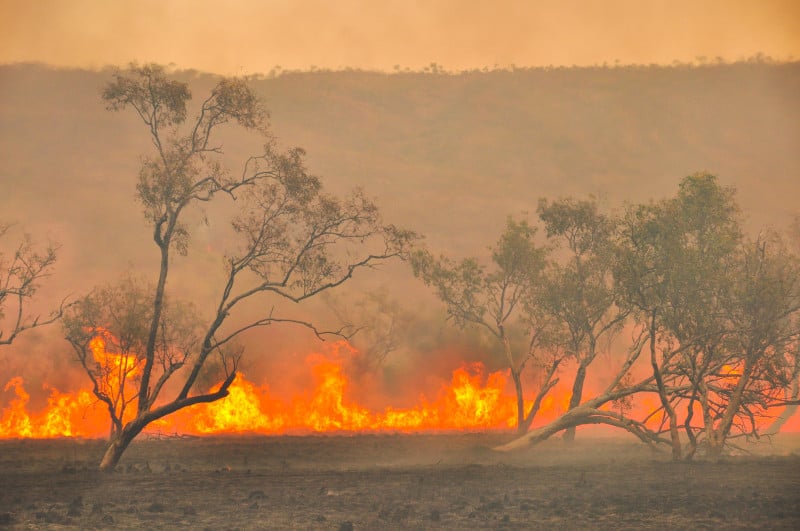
500,302
719,312
578,292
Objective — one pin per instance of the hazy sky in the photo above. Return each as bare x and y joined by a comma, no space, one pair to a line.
250,36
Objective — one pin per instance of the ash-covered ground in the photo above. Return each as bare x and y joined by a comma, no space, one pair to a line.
396,482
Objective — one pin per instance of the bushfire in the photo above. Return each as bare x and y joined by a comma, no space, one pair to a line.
474,399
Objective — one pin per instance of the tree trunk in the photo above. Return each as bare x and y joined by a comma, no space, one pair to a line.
723,429
788,411
117,447
784,417
691,446
548,384
675,439
522,427
565,421
583,414
575,399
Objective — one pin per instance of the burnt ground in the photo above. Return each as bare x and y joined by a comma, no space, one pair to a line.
394,481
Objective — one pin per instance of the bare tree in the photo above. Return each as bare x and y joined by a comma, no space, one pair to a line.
295,242
21,271
379,325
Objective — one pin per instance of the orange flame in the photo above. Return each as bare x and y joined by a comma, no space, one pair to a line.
466,403
66,415
472,400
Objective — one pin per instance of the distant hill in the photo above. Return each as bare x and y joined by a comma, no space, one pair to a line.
450,156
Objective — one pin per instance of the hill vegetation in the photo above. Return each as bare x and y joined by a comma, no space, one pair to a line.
447,155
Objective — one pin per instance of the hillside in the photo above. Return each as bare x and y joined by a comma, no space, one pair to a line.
450,156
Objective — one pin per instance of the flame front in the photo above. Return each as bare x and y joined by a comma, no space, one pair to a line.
466,403
473,399
66,415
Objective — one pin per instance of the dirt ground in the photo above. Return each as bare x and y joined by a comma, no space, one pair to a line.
394,482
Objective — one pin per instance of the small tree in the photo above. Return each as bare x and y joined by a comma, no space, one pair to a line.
21,271
294,242
501,302
758,361
379,324
108,329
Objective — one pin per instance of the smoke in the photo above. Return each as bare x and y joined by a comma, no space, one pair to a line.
252,37
448,156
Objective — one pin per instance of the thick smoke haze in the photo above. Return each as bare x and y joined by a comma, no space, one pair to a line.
253,36
449,156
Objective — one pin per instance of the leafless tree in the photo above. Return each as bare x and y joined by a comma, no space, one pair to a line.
21,271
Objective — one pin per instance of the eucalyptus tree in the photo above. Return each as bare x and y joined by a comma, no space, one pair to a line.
719,309
719,312
759,359
500,300
578,290
641,273
700,253
293,242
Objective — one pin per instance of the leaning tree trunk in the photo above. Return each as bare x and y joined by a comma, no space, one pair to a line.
723,429
788,411
782,419
550,382
583,414
118,445
569,419
575,399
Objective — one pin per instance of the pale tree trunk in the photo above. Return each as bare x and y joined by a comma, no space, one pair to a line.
118,445
569,419
782,419
588,413
581,415
712,436
517,377
575,399
788,411
722,430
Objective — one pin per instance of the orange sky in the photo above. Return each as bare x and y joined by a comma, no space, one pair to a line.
250,36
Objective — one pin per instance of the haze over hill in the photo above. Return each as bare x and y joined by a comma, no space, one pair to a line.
450,156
